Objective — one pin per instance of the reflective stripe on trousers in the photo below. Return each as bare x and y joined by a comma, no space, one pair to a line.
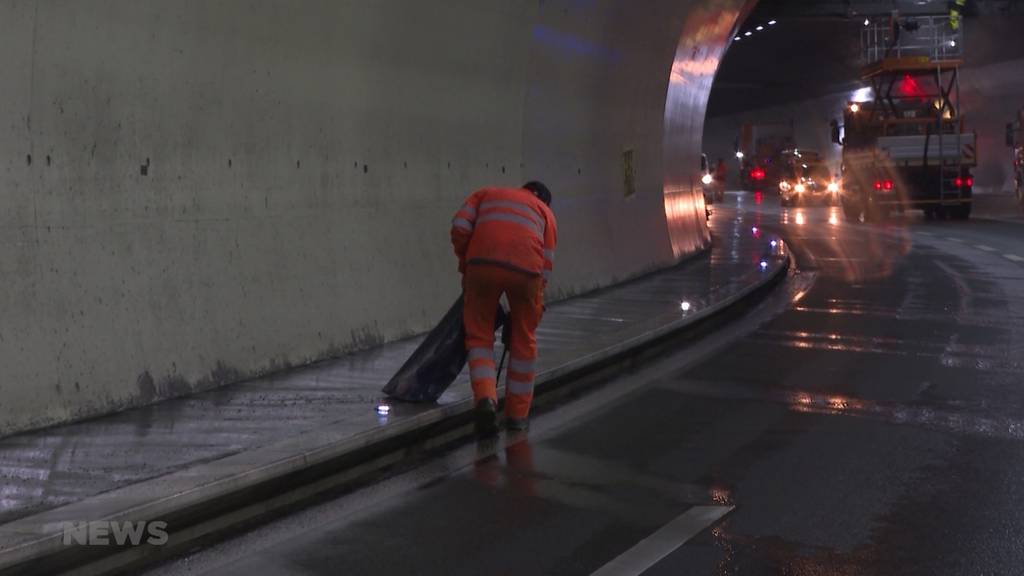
520,376
519,387
482,372
481,354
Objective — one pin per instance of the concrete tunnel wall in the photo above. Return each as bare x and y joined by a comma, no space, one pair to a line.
198,192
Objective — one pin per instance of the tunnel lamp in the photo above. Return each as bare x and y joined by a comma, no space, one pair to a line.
748,33
738,38
759,28
772,22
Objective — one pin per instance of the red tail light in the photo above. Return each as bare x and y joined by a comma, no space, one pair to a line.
757,174
958,182
887,185
878,184
969,181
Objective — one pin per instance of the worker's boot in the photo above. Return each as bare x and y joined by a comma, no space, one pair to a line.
485,417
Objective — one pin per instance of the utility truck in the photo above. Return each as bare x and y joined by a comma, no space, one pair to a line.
908,146
760,147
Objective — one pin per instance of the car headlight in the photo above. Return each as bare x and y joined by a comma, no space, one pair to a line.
833,187
784,186
707,179
800,188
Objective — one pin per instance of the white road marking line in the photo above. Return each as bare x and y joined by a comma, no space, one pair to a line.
953,239
985,248
671,536
1013,257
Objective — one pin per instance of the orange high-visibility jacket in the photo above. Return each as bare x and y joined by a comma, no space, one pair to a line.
507,227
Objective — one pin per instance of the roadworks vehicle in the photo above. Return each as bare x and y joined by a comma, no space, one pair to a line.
907,148
760,147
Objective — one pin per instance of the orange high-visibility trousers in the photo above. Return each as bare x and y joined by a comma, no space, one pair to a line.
483,286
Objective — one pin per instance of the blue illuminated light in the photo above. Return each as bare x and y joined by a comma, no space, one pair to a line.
764,265
774,243
568,43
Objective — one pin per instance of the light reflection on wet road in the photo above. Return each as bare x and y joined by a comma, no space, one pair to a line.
868,419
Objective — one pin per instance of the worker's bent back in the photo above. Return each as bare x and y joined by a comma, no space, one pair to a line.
505,227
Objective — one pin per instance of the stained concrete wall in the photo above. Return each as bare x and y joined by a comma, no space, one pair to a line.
196,192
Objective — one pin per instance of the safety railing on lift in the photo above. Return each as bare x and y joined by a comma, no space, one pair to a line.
931,37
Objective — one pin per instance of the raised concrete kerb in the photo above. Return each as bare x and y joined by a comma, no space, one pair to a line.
38,536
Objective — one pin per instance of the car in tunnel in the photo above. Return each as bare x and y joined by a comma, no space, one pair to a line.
806,183
713,189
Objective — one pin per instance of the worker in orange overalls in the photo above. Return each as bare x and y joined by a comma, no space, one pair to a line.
505,240
720,173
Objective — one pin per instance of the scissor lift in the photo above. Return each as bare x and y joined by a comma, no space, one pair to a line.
914,121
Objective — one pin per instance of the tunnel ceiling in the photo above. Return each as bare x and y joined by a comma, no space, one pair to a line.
813,47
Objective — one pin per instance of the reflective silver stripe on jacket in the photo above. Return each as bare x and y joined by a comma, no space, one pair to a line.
469,210
482,373
522,366
481,354
549,255
513,205
462,223
515,218
519,387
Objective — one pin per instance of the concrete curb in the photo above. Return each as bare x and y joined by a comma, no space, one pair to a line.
210,498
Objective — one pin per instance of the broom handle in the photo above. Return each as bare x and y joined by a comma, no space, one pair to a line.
501,364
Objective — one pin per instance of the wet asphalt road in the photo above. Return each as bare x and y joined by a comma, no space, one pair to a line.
868,418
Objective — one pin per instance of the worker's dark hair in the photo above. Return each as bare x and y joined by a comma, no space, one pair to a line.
539,190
